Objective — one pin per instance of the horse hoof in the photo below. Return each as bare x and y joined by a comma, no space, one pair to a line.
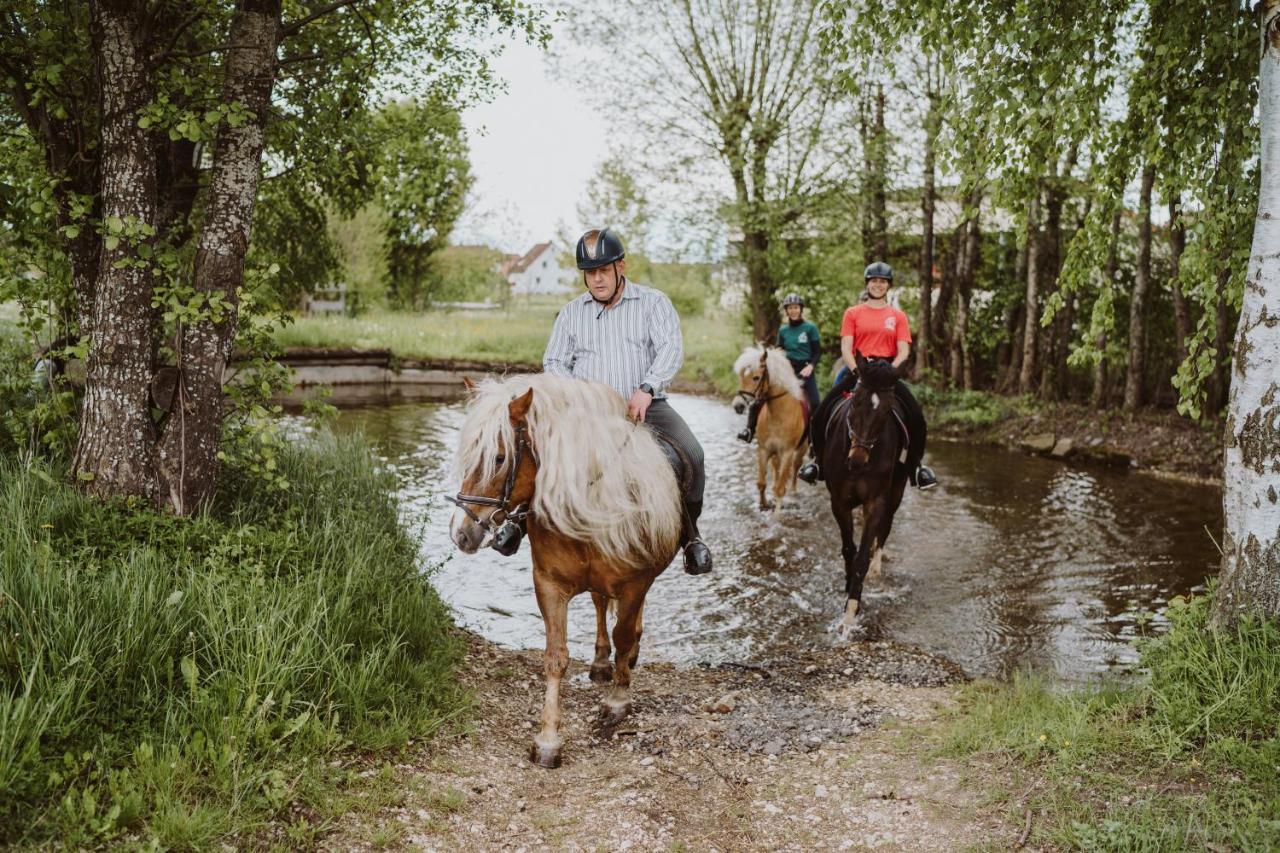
601,673
612,716
548,758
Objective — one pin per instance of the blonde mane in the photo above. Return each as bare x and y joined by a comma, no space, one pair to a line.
780,372
601,479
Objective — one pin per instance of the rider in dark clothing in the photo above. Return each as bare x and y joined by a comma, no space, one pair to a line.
799,338
876,330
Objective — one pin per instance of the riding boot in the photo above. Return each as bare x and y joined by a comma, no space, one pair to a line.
697,556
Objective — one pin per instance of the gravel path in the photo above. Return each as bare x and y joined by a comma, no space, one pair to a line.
803,753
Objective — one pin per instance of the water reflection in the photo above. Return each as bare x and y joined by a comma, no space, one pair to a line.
1014,561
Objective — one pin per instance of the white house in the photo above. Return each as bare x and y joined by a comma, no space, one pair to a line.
539,271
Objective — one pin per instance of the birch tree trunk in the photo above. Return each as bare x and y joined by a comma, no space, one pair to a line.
1133,380
189,447
115,451
1250,577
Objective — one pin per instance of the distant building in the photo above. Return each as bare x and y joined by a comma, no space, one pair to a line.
539,271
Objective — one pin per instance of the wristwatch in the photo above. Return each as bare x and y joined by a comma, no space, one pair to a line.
646,388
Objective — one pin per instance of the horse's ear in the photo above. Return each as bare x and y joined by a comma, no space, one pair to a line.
902,370
519,407
860,363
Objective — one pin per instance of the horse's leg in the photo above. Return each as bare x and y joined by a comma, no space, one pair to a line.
617,702
775,469
849,551
601,669
877,541
762,462
635,652
856,570
781,478
554,605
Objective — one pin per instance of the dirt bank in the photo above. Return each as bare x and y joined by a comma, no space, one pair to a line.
1155,441
802,753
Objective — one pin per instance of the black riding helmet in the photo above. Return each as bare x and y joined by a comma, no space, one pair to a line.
878,270
599,248
793,299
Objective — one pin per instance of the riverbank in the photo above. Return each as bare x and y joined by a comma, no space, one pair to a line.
186,681
1157,441
818,750
513,336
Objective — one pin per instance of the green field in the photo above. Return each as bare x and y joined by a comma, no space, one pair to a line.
514,335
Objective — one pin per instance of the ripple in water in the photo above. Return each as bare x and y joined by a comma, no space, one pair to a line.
1013,562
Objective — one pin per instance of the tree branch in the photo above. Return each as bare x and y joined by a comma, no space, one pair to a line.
289,29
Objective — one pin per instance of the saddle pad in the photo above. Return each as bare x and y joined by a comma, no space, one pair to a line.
680,464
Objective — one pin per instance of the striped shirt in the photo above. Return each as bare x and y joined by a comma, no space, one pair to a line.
634,342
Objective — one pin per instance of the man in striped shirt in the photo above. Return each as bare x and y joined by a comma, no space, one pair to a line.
627,336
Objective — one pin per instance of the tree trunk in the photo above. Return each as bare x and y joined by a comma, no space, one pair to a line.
1099,397
1250,579
189,447
972,258
932,123
875,231
1177,245
1031,321
764,312
116,448
1133,381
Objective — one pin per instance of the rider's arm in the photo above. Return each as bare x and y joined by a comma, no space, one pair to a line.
904,353
815,348
558,358
846,350
668,348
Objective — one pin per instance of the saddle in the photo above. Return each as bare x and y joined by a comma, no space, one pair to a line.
681,465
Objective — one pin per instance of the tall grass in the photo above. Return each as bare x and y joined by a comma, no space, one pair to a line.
1188,758
182,680
515,335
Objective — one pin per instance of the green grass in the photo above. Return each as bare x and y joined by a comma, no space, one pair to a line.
189,682
968,411
516,335
1188,758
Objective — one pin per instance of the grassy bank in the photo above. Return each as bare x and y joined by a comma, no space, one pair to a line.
1188,759
516,335
193,681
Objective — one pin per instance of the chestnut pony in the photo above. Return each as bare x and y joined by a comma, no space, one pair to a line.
601,505
766,376
862,467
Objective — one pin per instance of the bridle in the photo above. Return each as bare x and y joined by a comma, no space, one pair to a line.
505,514
749,397
855,440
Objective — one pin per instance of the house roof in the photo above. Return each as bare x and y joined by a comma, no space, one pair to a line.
532,255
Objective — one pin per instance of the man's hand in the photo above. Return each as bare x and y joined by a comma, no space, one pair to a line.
638,405
806,371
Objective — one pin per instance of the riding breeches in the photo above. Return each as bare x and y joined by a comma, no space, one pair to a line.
666,420
912,414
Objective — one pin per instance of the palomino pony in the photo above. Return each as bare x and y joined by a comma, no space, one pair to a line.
602,507
766,376
862,467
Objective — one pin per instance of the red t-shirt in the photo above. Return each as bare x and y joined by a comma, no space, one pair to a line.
875,331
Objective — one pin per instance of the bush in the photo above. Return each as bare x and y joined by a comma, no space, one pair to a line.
179,679
1185,759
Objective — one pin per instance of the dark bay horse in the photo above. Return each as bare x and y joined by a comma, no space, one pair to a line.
861,462
601,505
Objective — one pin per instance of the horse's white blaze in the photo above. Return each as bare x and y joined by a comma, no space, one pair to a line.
875,400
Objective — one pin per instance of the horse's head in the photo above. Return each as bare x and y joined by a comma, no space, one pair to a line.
753,379
498,486
870,408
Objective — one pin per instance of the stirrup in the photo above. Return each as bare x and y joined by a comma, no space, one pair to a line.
809,472
746,434
925,478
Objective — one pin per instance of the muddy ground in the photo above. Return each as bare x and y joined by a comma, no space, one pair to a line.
821,750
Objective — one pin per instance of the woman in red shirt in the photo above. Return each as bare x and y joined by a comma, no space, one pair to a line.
877,330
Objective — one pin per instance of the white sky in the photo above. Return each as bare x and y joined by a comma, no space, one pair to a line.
533,149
